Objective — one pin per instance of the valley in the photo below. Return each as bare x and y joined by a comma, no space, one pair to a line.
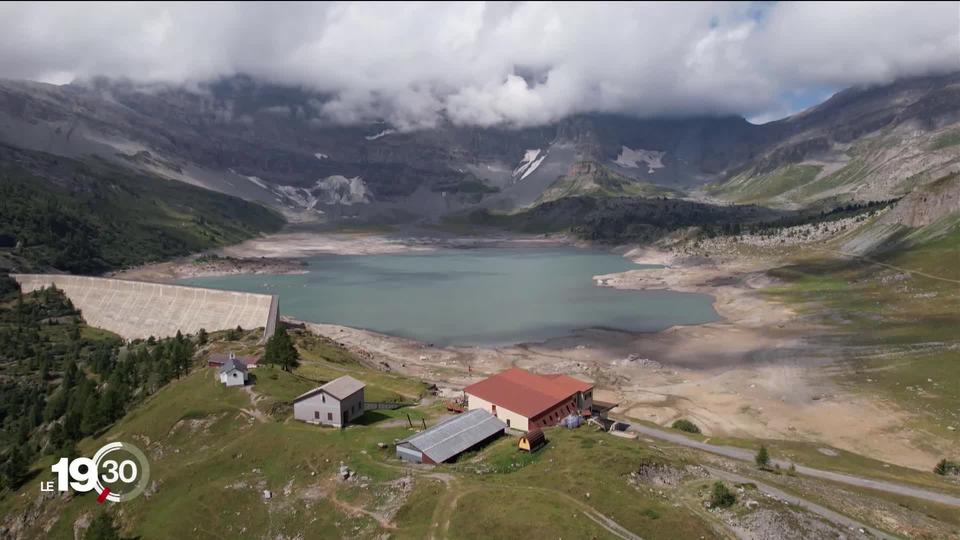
792,284
780,364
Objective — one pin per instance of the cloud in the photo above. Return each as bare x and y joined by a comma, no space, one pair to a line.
498,63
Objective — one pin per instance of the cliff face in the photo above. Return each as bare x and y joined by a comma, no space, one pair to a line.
927,204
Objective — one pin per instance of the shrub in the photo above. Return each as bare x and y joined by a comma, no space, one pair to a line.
651,513
685,425
945,467
763,457
722,497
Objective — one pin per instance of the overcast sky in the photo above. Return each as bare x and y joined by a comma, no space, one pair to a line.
484,64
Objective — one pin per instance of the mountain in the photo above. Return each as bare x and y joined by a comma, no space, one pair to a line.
862,144
91,216
594,179
272,144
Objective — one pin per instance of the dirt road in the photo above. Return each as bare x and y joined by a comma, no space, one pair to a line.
747,455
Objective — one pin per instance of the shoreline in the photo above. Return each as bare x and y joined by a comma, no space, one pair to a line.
287,252
753,374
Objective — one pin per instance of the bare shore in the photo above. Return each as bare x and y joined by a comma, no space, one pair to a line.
191,267
285,253
751,375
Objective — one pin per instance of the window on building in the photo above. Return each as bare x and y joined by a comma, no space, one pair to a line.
323,398
508,422
316,415
330,416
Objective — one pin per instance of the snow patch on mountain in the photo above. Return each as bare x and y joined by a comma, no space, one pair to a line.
342,190
328,191
531,160
631,159
256,180
321,156
383,133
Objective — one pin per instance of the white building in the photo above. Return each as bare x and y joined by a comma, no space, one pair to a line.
336,403
233,373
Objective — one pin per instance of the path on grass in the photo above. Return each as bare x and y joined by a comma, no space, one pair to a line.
890,266
823,512
743,454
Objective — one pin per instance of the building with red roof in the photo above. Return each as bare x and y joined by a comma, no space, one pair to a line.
526,400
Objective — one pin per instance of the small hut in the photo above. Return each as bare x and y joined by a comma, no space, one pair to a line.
532,440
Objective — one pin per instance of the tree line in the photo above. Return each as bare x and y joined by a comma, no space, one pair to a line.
62,380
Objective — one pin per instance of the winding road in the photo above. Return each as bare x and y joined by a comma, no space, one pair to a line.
743,454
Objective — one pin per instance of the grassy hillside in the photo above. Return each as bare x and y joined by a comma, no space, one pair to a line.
900,311
213,451
751,187
885,165
89,217
590,178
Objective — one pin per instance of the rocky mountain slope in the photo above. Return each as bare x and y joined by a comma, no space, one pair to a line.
860,145
272,144
91,216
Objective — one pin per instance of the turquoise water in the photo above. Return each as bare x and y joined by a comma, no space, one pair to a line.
472,296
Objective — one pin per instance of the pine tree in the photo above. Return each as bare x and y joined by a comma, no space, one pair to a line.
15,469
280,351
91,421
763,457
722,497
202,336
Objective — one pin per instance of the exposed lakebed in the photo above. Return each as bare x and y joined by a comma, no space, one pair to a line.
486,296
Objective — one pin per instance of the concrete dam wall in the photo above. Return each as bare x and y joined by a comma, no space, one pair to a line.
138,309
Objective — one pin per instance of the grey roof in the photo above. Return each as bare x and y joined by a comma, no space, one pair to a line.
340,388
232,364
222,358
455,435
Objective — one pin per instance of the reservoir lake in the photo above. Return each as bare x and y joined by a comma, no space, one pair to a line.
484,296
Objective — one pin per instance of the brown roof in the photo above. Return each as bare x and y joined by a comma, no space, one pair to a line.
525,393
535,437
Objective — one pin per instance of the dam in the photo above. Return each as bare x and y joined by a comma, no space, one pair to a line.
139,309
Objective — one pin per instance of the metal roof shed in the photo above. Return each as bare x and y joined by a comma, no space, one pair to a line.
451,437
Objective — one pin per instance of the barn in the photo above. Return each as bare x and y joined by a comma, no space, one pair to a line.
450,438
526,400
336,403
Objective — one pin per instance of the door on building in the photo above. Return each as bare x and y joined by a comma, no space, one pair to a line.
345,416
508,422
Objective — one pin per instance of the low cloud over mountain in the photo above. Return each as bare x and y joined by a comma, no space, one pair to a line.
495,64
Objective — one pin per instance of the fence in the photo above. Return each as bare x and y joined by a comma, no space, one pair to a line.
374,405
